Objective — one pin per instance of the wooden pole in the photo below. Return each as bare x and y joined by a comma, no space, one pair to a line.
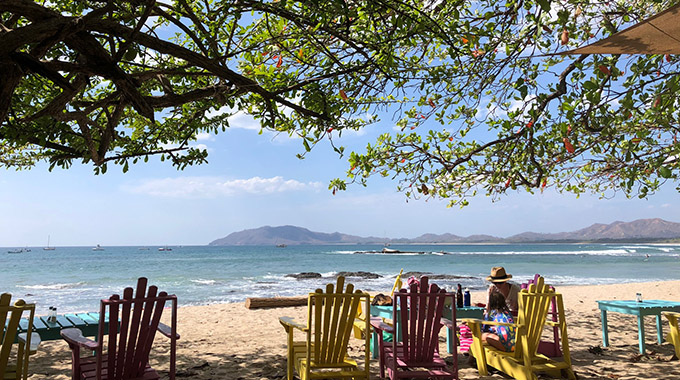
270,302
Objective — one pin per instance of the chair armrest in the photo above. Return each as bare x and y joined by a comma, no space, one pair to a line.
446,323
671,314
483,322
470,320
35,341
75,336
288,322
381,326
166,330
551,323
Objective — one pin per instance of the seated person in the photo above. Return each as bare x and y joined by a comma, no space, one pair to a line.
500,283
500,337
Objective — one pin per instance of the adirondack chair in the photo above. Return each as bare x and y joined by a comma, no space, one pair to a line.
548,348
674,335
418,316
133,322
10,318
525,361
323,352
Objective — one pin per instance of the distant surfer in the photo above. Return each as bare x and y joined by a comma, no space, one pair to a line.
646,257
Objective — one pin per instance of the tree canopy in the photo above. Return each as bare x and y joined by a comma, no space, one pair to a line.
479,98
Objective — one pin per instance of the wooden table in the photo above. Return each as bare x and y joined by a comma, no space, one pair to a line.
386,312
88,323
632,307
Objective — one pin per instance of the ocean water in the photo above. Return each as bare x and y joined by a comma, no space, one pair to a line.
74,279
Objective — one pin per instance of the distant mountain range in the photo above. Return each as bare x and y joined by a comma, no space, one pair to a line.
642,230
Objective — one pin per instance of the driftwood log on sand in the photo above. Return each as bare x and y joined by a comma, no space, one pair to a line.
270,302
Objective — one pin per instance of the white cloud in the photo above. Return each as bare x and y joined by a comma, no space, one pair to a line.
205,136
244,121
215,187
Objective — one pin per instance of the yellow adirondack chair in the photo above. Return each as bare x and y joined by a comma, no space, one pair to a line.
10,316
330,317
360,321
674,335
525,362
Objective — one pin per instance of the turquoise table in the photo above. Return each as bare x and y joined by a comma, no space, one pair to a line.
465,312
88,323
647,307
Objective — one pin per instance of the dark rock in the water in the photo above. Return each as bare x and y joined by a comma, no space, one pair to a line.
448,277
360,274
304,275
433,276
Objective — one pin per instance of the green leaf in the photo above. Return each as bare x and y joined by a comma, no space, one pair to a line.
545,5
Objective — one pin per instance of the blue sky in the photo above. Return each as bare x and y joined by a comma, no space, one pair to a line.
254,180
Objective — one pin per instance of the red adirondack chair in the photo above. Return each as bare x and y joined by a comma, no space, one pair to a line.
133,323
418,317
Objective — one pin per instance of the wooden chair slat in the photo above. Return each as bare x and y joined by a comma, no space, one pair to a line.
137,308
318,318
113,331
138,361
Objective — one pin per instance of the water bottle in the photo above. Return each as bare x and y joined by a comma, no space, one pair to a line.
51,315
466,298
459,297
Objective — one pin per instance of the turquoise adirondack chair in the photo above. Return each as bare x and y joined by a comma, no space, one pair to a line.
418,317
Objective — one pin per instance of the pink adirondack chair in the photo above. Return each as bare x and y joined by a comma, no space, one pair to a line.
551,349
132,325
418,318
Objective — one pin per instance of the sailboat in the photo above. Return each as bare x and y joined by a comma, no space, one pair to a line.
48,248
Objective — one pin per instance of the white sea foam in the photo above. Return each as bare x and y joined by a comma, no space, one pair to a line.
201,281
53,286
611,252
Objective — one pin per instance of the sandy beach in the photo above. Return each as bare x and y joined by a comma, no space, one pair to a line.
228,341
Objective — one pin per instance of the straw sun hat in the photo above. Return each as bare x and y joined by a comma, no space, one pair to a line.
498,275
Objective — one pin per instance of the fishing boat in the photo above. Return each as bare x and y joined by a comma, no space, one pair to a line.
16,251
48,248
98,248
166,248
281,245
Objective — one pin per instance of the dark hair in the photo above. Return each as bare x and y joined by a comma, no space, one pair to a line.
497,301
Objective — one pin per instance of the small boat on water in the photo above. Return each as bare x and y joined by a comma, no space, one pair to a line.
389,250
98,248
166,248
48,248
20,250
281,245
143,248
